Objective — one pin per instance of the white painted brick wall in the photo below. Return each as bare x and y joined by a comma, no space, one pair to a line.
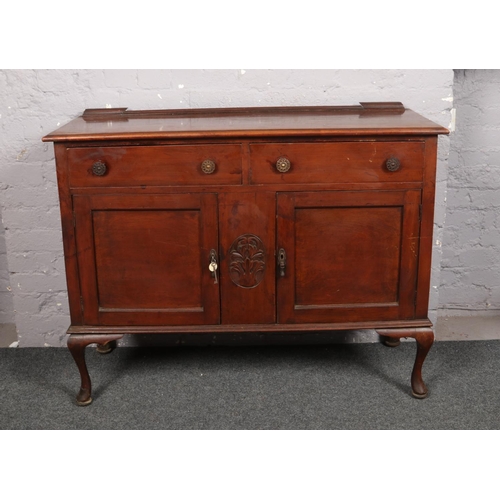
470,276
35,102
6,304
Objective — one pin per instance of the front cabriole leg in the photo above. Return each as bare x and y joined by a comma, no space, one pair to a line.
424,338
76,345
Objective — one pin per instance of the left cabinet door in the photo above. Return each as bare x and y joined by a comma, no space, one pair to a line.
144,259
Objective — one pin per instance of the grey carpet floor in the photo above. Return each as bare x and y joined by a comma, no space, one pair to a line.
336,386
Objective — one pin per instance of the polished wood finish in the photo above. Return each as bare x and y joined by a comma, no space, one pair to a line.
333,240
76,346
357,162
250,328
144,259
321,121
155,165
295,219
247,251
424,338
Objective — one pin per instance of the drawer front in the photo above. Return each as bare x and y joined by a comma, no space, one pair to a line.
342,162
155,165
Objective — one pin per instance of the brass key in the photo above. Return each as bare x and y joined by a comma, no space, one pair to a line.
213,269
213,265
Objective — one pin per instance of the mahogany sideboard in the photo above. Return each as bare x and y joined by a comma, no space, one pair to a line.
285,219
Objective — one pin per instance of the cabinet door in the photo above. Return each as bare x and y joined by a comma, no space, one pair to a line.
144,259
350,256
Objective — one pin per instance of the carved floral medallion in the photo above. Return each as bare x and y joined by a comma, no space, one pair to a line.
247,261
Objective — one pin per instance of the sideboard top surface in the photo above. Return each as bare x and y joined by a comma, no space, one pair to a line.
376,118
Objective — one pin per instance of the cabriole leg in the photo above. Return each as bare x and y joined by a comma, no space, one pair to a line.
107,347
424,338
389,342
76,345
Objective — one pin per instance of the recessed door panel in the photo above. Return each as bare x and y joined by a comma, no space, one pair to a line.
145,259
148,259
349,256
339,247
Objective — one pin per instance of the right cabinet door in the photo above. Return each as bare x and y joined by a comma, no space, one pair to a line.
347,256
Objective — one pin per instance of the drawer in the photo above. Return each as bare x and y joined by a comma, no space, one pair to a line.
154,165
337,162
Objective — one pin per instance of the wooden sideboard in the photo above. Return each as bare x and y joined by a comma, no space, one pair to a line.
247,220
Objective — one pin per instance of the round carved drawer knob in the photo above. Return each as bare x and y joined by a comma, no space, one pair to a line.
208,167
392,164
283,165
99,168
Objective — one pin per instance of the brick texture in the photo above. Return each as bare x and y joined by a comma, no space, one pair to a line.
35,102
6,303
471,240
